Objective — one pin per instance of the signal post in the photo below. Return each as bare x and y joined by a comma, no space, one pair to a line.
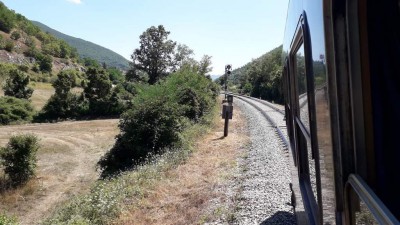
227,108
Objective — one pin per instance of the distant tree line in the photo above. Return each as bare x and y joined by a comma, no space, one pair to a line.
261,78
106,91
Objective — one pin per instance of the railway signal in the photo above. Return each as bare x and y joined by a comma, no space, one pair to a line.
227,109
228,71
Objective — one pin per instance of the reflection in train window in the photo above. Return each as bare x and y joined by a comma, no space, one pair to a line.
305,146
312,172
302,87
322,116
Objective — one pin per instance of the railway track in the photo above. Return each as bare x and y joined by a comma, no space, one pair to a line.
272,113
265,181
275,115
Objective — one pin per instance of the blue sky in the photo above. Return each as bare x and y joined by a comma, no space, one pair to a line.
231,31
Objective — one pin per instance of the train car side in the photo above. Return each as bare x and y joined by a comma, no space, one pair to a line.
341,83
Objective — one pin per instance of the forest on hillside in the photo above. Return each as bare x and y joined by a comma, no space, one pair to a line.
260,78
88,49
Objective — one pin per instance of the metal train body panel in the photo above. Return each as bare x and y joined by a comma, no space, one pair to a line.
341,79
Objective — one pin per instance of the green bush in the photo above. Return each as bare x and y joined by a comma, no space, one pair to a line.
23,68
19,158
36,68
152,124
9,46
194,92
1,42
45,62
5,69
158,116
29,41
116,76
17,85
32,52
68,106
14,110
15,35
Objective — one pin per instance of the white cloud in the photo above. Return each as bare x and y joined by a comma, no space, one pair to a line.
75,1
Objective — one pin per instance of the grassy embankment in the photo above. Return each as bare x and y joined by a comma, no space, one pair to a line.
176,187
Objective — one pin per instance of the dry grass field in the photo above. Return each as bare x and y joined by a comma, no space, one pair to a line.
41,93
189,193
66,165
66,160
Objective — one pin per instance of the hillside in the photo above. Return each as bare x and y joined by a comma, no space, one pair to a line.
88,49
25,47
259,78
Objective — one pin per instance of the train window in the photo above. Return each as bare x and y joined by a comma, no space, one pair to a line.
312,171
289,112
322,117
302,87
308,169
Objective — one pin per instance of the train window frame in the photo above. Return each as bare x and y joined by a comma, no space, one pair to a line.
357,191
289,110
306,138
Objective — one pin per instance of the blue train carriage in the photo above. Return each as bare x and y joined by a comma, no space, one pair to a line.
342,100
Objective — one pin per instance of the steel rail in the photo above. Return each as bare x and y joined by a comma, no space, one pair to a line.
278,130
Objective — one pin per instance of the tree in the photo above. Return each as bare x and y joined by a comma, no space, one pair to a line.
98,91
155,54
182,55
89,62
63,104
116,76
65,81
45,62
134,75
17,85
205,65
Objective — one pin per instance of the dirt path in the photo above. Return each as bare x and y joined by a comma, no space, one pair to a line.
66,165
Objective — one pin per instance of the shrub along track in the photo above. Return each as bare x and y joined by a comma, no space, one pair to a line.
199,190
66,165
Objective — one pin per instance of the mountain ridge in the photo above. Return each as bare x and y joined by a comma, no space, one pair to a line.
87,49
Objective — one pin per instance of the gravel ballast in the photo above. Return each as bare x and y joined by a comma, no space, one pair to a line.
264,196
